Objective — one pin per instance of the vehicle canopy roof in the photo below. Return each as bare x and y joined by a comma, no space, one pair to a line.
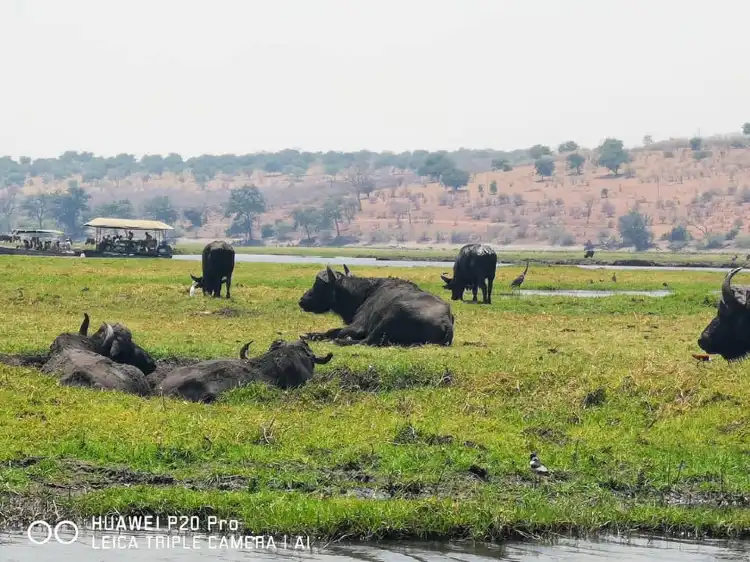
127,224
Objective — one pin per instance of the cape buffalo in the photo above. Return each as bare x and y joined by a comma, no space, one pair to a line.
475,264
108,359
378,311
728,334
218,265
285,365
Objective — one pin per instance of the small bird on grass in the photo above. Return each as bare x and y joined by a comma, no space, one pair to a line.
701,356
614,277
536,466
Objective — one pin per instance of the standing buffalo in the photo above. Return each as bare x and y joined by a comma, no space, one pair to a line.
285,365
728,334
475,264
108,359
218,265
378,311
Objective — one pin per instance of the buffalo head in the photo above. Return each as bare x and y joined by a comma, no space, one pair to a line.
116,342
322,296
457,291
728,334
197,284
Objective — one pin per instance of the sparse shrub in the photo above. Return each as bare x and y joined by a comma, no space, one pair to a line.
460,237
559,237
604,193
696,143
503,199
731,190
744,195
678,234
742,242
493,187
668,154
711,241
702,154
518,200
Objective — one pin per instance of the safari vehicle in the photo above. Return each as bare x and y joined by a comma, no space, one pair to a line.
132,238
36,242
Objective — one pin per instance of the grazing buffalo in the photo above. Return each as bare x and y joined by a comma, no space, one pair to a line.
218,265
728,334
6,238
378,311
475,264
108,359
285,365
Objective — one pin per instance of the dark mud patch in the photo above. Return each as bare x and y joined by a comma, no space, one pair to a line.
226,312
410,435
594,398
374,380
33,360
549,434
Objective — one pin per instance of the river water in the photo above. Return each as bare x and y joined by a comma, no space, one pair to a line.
445,265
142,547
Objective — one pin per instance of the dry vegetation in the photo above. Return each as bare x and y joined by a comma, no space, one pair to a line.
707,191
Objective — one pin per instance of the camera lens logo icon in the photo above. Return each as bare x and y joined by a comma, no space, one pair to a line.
50,532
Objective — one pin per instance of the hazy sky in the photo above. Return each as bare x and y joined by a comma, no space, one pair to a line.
237,76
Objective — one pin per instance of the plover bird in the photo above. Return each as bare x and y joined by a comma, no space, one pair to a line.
536,466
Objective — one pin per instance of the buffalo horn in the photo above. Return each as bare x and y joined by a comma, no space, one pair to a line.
109,335
84,329
323,360
243,350
445,278
726,289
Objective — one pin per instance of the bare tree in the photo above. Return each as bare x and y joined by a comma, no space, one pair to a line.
698,218
359,177
8,205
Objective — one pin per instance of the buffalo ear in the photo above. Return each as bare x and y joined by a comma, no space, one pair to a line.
331,274
347,272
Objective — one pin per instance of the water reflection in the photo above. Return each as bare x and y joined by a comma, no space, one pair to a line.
16,547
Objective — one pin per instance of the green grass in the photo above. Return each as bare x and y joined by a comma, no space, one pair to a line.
561,256
424,442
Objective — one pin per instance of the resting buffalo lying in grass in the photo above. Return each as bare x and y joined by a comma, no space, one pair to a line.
378,311
285,365
108,359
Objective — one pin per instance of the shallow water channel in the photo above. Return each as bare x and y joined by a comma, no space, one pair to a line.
142,547
446,265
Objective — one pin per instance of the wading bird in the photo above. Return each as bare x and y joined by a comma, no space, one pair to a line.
516,283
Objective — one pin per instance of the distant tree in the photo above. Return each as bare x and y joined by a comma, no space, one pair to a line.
575,162
493,187
501,164
746,128
68,207
696,143
160,209
310,219
334,210
648,140
455,178
37,207
359,177
8,206
196,216
245,205
679,234
121,209
635,231
538,151
612,155
569,146
174,163
545,167
154,164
